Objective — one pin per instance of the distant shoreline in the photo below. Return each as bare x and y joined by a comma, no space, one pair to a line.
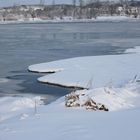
98,19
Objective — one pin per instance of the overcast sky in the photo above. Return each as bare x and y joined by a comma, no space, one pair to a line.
11,2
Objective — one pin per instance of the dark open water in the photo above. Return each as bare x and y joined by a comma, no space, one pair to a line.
24,44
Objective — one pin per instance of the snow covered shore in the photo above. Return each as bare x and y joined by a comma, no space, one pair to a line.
115,83
72,20
101,70
108,78
56,122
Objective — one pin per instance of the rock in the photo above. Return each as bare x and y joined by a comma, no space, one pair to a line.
73,100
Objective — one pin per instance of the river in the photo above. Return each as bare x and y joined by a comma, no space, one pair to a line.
22,45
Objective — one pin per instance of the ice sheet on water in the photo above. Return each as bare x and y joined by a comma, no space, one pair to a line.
4,80
136,49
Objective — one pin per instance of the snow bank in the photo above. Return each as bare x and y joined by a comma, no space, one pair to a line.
114,18
136,49
56,122
71,19
22,20
98,70
12,106
113,98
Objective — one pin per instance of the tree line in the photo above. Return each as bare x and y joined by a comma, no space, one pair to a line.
79,9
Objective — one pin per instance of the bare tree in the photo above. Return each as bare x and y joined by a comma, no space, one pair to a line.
32,13
74,8
112,9
42,2
4,14
53,3
121,2
81,3
74,3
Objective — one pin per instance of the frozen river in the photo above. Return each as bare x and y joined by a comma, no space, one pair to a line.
24,44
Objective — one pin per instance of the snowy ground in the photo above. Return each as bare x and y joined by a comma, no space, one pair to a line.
70,19
56,122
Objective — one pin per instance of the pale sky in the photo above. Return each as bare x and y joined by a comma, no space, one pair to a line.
11,2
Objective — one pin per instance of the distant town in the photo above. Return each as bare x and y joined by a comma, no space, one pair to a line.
83,10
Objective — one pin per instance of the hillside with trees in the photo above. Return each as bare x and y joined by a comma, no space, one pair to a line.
79,9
